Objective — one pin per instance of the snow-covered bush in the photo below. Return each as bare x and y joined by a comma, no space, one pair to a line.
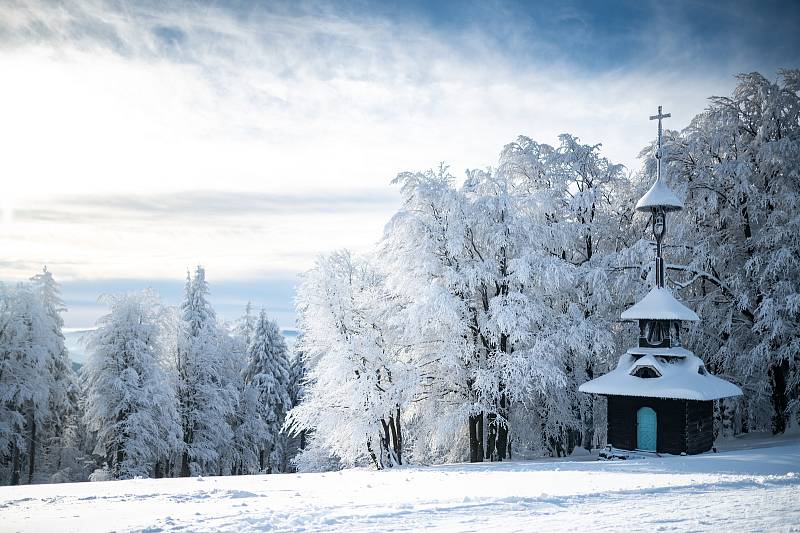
101,474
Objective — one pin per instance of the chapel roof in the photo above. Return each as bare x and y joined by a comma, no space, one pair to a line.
682,378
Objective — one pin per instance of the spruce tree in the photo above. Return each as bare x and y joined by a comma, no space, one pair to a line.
206,397
129,403
25,337
63,400
266,391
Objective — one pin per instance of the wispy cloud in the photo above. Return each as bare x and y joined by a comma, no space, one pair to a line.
140,138
199,205
156,236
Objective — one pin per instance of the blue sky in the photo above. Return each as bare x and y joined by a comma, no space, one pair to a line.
599,36
142,140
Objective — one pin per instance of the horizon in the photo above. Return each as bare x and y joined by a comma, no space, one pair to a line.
249,138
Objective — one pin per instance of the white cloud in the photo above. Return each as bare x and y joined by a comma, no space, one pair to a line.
99,103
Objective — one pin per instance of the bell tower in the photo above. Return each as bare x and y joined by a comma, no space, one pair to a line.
660,395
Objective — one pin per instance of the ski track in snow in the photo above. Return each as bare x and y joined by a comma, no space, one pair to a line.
744,490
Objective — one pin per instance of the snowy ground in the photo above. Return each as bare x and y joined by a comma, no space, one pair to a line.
740,490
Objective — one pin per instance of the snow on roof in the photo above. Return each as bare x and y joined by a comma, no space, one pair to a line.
675,351
659,304
683,378
659,195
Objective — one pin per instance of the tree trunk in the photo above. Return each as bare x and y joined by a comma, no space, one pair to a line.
744,418
472,424
502,441
588,416
491,436
777,381
372,455
588,426
185,463
188,437
120,456
726,413
497,436
502,429
385,455
15,466
396,438
268,458
481,439
32,449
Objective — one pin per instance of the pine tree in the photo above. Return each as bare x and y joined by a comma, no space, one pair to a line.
63,409
207,396
266,393
129,403
245,328
26,342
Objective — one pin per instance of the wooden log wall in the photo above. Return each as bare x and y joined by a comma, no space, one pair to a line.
682,425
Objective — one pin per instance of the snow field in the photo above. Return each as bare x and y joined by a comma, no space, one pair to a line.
743,490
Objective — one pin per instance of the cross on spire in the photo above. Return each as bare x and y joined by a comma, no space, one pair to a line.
659,117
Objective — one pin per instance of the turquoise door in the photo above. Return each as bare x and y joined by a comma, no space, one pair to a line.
646,429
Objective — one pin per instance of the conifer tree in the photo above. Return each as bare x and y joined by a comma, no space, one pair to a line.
206,394
26,342
266,392
129,403
63,401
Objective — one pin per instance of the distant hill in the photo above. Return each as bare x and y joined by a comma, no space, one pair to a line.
74,341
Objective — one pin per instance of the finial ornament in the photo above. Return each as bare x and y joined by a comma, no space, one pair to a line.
659,117
659,212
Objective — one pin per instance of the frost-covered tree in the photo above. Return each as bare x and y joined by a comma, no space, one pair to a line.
57,432
356,380
583,205
129,403
495,273
207,394
428,252
736,166
26,342
295,442
265,397
245,328
32,348
232,361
